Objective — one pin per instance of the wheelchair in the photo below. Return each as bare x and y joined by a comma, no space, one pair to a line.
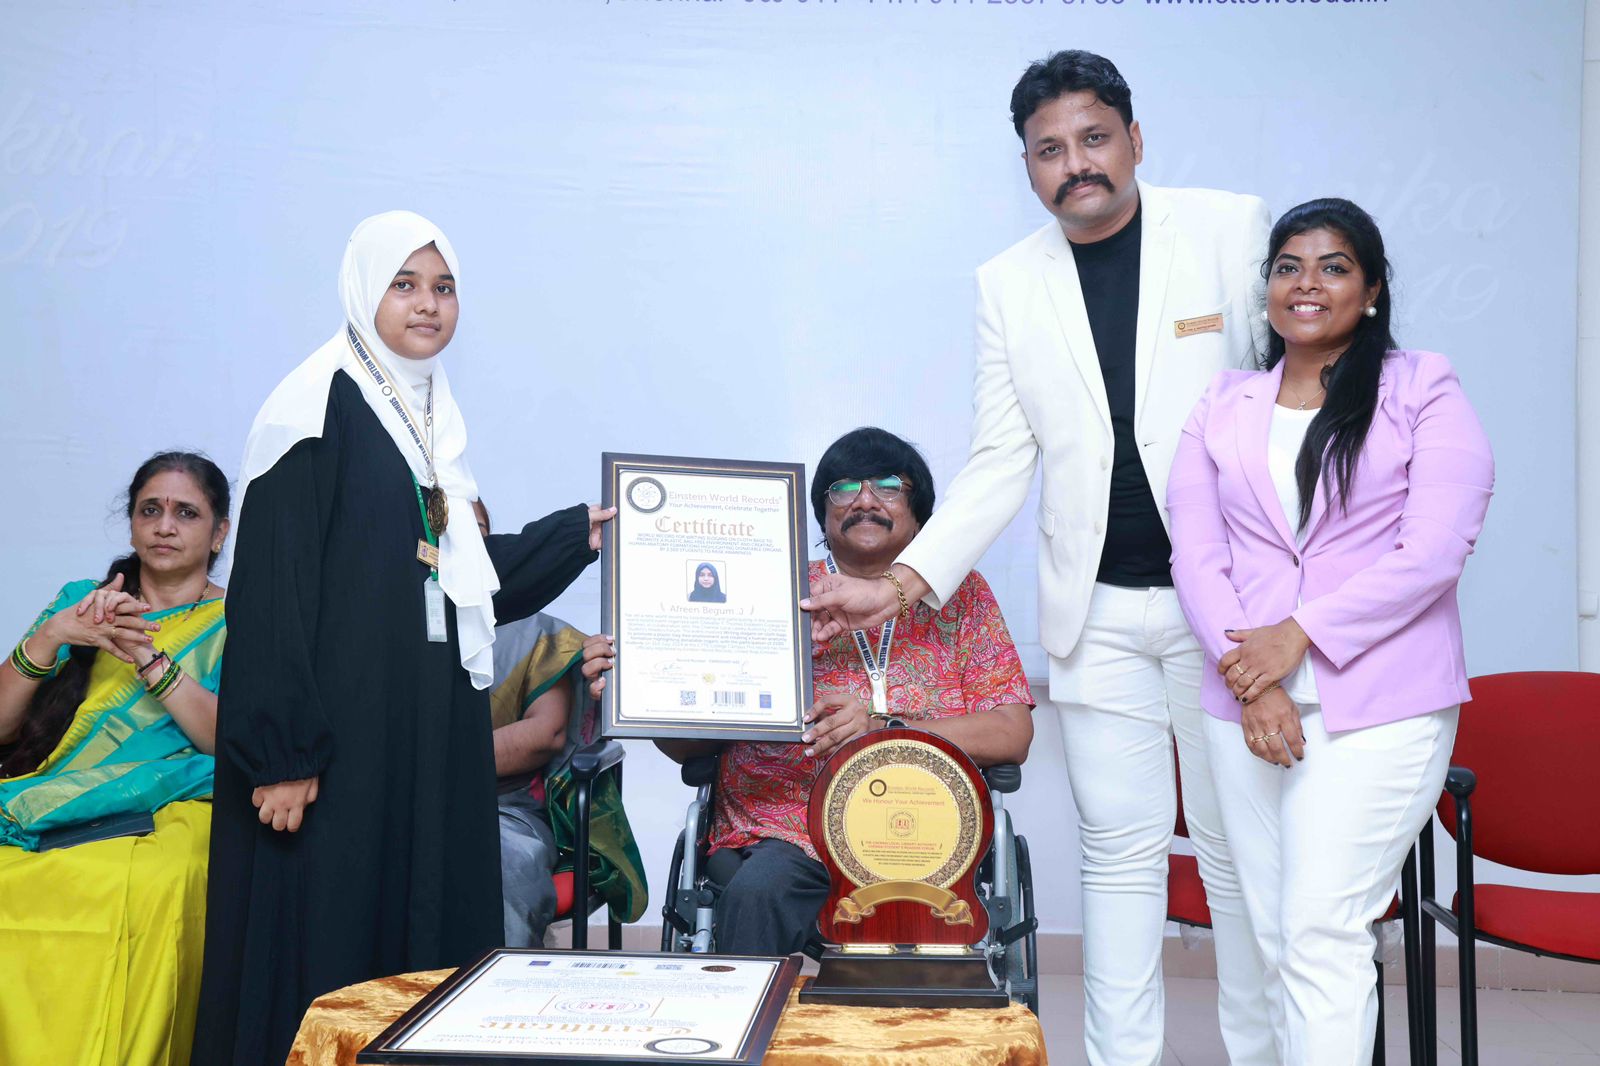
1004,879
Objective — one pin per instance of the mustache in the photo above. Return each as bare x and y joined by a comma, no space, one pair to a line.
860,517
1082,179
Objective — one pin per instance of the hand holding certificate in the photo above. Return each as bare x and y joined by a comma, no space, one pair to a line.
703,573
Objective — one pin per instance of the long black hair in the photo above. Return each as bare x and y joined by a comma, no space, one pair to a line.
1334,440
56,701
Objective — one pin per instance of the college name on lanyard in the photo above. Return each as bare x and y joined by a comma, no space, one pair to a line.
877,665
392,394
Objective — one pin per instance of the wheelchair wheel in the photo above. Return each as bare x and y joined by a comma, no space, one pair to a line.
1030,961
669,928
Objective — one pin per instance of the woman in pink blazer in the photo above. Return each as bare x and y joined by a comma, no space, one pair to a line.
1322,510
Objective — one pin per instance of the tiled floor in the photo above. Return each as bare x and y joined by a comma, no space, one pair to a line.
1514,1028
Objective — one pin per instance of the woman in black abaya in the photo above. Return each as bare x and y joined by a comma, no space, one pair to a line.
354,829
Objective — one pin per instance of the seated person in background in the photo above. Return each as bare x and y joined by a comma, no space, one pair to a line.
540,718
108,711
953,671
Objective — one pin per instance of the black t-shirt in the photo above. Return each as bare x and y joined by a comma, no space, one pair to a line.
1137,552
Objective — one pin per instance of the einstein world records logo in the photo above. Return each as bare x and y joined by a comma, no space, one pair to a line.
646,495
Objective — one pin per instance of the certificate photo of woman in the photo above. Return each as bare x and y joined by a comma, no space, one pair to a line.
705,584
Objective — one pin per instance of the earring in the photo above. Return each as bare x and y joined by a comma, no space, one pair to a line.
1265,317
1371,311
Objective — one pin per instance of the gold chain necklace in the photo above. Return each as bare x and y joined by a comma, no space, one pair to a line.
1296,394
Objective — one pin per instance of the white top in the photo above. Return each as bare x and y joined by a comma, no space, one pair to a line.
1283,448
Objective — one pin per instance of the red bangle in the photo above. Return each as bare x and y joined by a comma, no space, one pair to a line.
139,673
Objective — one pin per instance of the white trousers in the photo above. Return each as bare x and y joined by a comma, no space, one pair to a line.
1129,687
1319,848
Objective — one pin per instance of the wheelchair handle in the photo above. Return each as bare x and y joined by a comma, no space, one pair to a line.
1004,778
700,770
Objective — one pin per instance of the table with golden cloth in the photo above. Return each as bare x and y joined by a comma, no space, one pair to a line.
341,1023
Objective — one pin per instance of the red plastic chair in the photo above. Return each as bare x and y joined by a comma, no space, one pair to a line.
1520,793
1187,904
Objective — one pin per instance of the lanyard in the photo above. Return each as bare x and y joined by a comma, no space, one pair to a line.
877,666
427,526
392,394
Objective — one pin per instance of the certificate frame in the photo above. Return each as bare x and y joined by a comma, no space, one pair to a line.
388,1047
621,473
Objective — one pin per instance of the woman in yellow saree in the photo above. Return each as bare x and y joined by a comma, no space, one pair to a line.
107,715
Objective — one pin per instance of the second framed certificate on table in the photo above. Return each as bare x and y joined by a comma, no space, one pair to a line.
704,569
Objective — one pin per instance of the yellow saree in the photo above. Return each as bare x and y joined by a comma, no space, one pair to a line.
100,943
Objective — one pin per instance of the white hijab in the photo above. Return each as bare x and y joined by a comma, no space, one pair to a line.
378,248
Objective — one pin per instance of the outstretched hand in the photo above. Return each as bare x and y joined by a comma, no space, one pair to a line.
839,603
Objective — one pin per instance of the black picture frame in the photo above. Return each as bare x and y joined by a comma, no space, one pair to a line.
386,1049
617,467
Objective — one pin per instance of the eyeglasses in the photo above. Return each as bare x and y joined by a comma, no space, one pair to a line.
886,489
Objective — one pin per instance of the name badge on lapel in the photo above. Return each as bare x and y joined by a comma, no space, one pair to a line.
1188,327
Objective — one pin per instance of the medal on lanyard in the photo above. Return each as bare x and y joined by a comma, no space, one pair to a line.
432,593
436,509
877,665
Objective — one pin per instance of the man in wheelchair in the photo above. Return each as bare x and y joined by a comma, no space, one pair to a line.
952,671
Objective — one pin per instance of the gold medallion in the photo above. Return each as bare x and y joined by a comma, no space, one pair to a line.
438,510
900,811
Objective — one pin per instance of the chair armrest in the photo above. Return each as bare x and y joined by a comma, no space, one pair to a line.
1004,778
595,759
700,770
1460,782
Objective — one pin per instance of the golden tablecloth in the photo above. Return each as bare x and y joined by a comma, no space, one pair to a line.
341,1023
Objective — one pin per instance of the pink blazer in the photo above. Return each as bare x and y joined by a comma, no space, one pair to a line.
1374,589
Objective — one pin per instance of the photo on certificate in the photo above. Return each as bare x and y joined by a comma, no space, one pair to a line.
702,575
520,1005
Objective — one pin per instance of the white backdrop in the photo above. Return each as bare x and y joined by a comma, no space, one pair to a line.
734,228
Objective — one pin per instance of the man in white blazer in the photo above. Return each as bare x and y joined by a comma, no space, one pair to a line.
1096,335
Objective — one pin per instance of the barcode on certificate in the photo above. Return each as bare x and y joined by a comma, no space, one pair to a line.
599,965
728,699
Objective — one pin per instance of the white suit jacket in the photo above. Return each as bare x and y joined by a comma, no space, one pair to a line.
1039,391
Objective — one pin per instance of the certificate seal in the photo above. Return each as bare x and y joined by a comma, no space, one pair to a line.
646,495
683,1045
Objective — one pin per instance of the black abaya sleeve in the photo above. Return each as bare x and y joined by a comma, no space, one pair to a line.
536,565
270,718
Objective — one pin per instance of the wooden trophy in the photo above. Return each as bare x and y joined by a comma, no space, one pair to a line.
901,819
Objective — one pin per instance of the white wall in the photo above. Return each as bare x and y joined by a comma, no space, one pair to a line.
771,211
1587,394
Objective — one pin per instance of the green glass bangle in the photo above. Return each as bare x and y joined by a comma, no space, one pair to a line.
26,666
168,680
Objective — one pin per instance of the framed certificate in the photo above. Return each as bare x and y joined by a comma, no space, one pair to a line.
516,1006
703,572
